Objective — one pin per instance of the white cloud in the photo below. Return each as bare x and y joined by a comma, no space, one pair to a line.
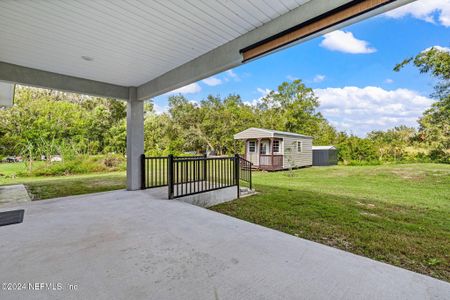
212,81
231,73
343,41
291,78
389,81
263,92
254,102
361,110
432,11
319,78
440,48
160,109
192,88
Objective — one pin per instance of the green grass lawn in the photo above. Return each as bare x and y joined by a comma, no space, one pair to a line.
75,185
59,186
399,214
12,169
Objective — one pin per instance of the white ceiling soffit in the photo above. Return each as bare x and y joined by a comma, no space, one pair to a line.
101,47
125,43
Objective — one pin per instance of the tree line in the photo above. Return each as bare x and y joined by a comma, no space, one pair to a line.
46,122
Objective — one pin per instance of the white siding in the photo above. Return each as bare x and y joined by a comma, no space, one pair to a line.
294,159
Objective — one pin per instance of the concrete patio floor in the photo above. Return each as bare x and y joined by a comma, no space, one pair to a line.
13,194
136,245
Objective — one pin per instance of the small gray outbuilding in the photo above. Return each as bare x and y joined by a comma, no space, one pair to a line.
324,155
274,150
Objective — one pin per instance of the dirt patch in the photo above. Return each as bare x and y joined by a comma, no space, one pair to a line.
366,205
368,214
409,174
337,242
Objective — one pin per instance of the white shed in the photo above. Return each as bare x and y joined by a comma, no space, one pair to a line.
276,150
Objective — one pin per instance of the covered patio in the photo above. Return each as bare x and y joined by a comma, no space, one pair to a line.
137,50
139,245
136,244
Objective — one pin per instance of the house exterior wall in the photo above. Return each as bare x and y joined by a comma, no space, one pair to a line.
294,159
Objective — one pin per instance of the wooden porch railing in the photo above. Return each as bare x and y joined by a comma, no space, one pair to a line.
271,162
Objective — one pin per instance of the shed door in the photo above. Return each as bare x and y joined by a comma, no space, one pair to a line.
264,147
252,152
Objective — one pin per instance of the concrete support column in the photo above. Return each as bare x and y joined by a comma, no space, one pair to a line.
135,139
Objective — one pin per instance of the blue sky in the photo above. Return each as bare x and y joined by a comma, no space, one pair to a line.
350,70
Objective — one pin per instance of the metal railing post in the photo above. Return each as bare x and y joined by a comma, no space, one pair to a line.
205,167
170,182
236,173
250,174
143,185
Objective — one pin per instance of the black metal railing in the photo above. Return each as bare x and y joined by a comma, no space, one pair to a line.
154,171
245,172
191,175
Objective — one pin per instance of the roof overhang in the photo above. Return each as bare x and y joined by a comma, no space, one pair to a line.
324,148
261,133
39,78
155,46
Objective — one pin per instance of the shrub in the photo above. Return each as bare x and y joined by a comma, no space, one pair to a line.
114,161
362,162
440,155
81,164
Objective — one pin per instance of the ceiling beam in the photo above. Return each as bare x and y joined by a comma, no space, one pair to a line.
229,55
317,24
34,77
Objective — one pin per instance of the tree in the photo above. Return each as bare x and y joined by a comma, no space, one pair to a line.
293,108
435,122
32,120
391,144
116,138
221,119
357,149
51,122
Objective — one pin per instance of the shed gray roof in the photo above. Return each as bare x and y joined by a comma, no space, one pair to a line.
262,132
323,147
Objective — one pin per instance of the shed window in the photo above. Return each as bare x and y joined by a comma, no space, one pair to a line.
299,146
252,146
276,146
